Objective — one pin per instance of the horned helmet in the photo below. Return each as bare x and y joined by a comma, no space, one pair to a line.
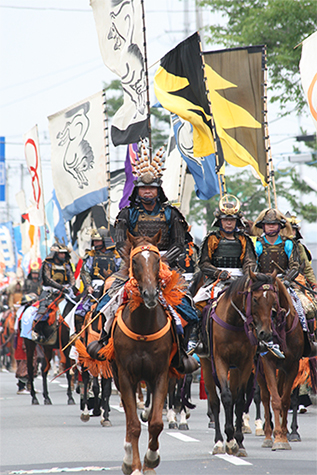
58,247
229,207
148,172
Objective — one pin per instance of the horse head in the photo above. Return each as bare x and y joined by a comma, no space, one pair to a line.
263,297
145,266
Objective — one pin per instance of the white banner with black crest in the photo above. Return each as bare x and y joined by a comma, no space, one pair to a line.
120,33
78,156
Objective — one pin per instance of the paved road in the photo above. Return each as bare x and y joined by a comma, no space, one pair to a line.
52,439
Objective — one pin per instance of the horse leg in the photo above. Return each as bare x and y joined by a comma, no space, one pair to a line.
30,348
147,406
96,390
280,438
85,414
265,396
131,461
294,435
152,456
258,421
171,414
285,403
105,397
48,352
214,403
140,398
238,385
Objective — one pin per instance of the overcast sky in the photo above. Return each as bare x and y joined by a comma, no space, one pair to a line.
50,59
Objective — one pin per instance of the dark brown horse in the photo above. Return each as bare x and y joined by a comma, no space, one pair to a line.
143,347
277,389
61,334
240,318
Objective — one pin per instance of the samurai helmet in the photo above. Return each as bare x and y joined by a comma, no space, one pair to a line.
102,234
229,207
272,216
28,299
149,173
34,267
294,222
59,247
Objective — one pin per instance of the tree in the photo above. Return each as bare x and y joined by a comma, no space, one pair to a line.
281,25
253,197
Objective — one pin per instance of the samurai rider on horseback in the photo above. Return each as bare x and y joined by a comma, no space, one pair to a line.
277,248
58,283
226,254
99,263
148,214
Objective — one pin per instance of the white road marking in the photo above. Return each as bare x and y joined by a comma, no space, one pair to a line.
232,459
182,437
64,469
117,408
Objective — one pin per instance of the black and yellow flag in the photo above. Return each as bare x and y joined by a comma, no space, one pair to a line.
180,87
235,79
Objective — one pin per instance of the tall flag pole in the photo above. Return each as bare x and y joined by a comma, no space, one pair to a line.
147,80
268,150
107,150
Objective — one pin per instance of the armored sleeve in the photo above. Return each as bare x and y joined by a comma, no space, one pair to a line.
249,261
308,270
178,229
294,259
121,226
86,271
204,261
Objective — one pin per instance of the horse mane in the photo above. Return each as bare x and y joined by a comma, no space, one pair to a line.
239,285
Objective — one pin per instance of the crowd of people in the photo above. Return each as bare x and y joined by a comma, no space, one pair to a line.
227,252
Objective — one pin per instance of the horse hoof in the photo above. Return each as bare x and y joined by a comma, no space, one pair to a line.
149,472
294,437
183,426
281,446
259,432
144,417
150,464
246,430
35,401
106,423
241,452
71,401
127,469
232,447
96,413
47,401
172,425
267,444
84,417
218,448
136,472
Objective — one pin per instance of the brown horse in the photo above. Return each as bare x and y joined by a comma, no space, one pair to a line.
278,388
240,317
143,348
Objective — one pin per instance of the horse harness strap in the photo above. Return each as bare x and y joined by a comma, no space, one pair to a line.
135,336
